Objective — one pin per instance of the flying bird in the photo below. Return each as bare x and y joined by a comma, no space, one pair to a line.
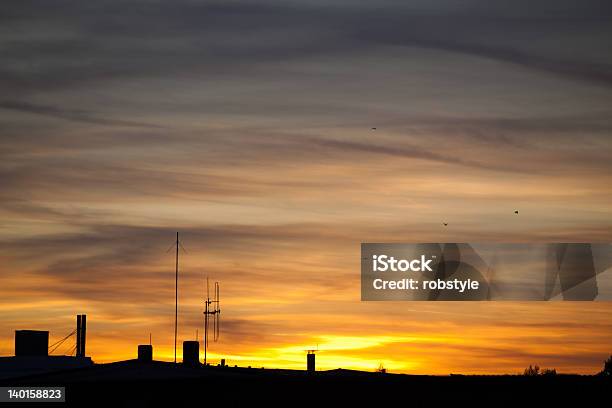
373,128
445,223
516,211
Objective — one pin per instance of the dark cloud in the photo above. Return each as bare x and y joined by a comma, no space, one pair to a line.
76,43
407,152
598,73
447,34
160,39
68,114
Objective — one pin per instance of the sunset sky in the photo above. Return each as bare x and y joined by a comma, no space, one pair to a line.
247,127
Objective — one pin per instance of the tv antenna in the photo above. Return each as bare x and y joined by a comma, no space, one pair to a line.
211,310
177,244
312,351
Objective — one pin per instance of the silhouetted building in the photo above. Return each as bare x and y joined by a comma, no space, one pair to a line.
191,352
32,353
31,343
145,352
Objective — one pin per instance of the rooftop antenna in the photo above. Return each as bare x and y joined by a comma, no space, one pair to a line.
176,296
178,244
211,308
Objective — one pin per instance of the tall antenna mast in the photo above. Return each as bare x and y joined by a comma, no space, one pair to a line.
211,308
176,295
177,245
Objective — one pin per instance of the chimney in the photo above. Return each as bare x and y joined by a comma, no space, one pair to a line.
191,353
310,362
145,353
81,335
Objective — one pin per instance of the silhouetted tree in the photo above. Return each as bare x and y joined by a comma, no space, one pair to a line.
532,371
607,369
535,371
